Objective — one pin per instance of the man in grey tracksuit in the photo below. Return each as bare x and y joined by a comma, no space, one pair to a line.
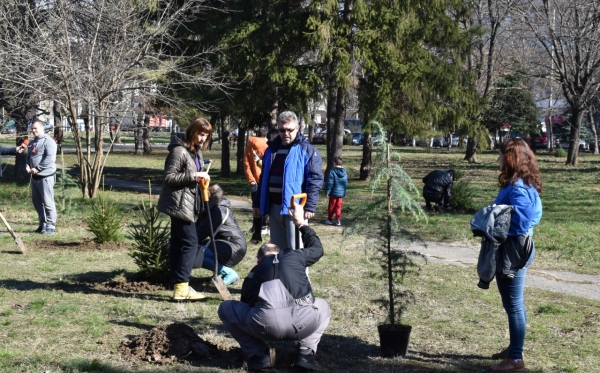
41,164
278,303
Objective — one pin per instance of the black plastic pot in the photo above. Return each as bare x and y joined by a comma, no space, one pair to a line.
394,339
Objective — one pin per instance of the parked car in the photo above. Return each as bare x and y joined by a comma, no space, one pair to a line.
541,141
565,142
357,138
9,128
320,138
456,138
439,142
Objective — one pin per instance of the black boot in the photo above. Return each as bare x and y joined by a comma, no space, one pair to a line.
259,362
307,361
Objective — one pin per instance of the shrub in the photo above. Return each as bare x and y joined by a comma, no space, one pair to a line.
463,193
463,196
105,220
560,153
150,250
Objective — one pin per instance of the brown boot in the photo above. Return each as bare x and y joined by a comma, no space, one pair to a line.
508,365
504,354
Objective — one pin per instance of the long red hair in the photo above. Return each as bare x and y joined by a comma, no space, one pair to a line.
519,163
198,126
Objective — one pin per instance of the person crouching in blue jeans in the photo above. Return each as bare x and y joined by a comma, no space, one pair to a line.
520,185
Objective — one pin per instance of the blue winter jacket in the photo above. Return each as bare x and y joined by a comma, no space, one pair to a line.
527,204
337,182
302,173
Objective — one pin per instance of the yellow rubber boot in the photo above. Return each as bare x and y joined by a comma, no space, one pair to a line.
185,292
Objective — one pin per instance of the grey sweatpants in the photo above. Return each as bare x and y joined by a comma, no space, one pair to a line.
283,230
252,326
42,194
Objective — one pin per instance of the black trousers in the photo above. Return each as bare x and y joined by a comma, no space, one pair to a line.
258,224
433,197
183,249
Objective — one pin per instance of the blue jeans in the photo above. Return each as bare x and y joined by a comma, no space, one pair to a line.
511,292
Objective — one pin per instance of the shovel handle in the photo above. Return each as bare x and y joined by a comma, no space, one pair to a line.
301,196
204,185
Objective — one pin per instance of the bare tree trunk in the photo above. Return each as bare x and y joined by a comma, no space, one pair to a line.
576,119
225,167
331,115
367,150
594,130
471,154
146,135
138,133
241,147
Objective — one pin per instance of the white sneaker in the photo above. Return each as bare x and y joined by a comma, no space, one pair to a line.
265,231
337,222
328,222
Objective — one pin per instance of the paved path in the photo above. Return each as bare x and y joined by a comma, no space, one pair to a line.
585,286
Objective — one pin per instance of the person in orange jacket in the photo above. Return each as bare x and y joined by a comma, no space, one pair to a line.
252,167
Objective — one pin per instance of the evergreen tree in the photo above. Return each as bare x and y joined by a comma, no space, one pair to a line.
512,103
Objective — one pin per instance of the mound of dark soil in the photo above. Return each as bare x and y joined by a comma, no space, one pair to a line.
166,345
85,245
130,286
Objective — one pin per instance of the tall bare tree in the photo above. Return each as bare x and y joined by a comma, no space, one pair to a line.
98,55
568,32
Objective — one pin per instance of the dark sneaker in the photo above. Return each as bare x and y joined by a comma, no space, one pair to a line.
259,362
307,362
504,354
428,208
40,229
49,231
437,208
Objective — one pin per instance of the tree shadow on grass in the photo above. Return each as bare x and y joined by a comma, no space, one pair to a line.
112,284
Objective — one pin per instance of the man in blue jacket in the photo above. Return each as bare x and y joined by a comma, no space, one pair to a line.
291,165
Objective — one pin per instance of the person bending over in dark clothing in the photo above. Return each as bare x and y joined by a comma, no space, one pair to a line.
437,189
278,303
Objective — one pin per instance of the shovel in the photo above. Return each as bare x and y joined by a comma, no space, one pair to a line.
217,280
302,197
12,233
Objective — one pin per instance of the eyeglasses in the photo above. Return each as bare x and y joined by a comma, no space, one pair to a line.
288,130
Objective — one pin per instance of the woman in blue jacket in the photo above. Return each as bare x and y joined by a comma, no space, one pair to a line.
520,184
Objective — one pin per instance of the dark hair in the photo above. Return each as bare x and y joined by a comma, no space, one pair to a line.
262,132
266,249
452,173
519,163
215,195
197,127
338,161
273,133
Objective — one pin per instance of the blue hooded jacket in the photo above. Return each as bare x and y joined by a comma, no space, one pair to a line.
302,173
527,204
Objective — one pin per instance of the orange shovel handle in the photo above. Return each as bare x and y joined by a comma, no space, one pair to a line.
301,196
204,184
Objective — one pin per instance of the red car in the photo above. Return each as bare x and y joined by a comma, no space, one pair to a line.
320,138
541,141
